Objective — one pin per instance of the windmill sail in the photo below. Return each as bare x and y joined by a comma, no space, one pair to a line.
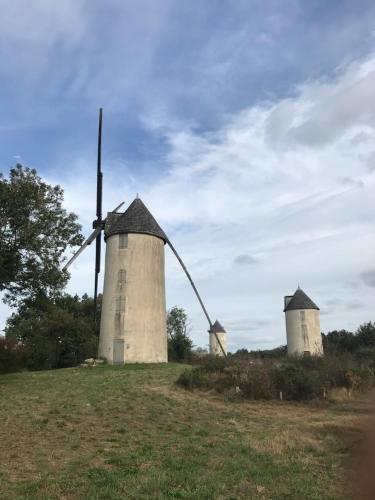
88,242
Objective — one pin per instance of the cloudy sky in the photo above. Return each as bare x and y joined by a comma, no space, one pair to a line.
247,128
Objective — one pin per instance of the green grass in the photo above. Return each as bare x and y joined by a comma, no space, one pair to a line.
130,432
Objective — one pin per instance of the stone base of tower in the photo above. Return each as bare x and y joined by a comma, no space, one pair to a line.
303,333
133,319
122,354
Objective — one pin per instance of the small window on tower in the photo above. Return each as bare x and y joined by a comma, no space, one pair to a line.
123,241
120,304
302,315
122,277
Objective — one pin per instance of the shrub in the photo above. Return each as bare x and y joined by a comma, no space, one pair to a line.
212,363
54,333
256,383
294,382
191,379
365,356
298,378
12,356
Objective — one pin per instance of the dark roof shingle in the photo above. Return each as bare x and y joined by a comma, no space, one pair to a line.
135,219
300,301
217,328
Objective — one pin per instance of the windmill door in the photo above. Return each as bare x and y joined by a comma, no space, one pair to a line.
118,351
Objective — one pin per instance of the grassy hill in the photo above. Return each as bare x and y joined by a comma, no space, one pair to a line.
129,432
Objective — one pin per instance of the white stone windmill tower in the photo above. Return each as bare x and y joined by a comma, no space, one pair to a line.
133,318
217,333
302,325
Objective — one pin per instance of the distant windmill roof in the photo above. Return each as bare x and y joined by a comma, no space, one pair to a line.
217,328
300,301
136,219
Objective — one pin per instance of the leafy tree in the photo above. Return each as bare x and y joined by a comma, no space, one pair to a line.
342,341
241,352
35,231
199,352
366,335
54,333
179,344
339,341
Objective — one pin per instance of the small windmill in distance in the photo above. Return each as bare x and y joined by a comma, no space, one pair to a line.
133,317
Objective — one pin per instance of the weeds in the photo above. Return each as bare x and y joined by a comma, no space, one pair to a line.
290,378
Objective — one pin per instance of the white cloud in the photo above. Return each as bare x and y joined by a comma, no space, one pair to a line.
31,31
258,186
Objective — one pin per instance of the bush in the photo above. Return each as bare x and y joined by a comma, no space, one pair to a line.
212,363
191,379
256,382
298,378
294,382
53,333
11,356
365,356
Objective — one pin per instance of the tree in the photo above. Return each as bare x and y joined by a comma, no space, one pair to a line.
199,352
179,344
242,352
342,341
35,232
54,333
366,335
338,342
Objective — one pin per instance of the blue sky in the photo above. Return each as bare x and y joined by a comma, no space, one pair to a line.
247,127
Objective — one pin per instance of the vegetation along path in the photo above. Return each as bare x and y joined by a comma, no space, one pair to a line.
130,432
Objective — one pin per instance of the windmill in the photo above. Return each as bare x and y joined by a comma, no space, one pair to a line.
133,317
302,325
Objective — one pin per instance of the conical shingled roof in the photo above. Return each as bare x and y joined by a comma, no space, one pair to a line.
217,328
135,219
300,301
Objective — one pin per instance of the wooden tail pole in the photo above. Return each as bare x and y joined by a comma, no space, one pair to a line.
99,184
197,294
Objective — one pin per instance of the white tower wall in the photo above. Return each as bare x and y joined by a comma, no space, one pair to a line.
214,344
303,332
133,319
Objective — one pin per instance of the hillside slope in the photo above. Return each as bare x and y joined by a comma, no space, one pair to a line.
129,432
